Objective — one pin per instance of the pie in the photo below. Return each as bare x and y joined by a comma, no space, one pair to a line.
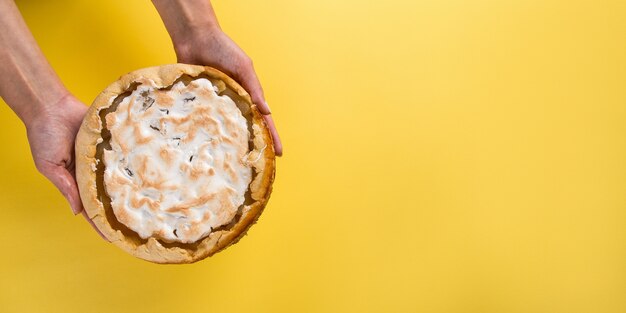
174,163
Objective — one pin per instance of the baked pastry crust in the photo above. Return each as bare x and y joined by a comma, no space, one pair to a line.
152,249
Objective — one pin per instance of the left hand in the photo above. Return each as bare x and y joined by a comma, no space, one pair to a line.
214,48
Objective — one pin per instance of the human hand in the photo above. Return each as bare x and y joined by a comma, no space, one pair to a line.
212,47
52,116
51,133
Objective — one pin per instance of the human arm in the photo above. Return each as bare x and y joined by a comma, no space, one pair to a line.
51,114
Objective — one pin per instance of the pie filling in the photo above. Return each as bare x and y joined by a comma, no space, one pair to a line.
173,161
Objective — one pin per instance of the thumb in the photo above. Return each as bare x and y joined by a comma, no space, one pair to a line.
64,181
250,82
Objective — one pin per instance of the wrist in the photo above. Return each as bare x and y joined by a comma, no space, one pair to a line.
187,21
185,43
41,106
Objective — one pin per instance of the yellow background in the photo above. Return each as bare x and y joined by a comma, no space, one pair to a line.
440,156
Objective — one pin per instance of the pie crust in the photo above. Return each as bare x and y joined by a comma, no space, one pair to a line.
94,138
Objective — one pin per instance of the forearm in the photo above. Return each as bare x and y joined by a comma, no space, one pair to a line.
27,81
183,19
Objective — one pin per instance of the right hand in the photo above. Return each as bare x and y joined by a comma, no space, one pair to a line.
51,135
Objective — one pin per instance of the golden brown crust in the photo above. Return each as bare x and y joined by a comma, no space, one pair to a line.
90,134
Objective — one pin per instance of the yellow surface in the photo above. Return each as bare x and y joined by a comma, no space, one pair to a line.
441,156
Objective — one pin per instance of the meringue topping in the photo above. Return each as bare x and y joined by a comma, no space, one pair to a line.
178,165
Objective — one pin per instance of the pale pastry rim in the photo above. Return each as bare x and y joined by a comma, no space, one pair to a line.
152,250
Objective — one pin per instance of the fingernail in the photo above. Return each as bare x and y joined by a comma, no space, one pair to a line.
74,210
268,108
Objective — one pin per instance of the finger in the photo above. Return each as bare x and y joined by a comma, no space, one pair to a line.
94,226
278,146
249,80
64,181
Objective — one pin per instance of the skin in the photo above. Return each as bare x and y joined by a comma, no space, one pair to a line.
198,39
52,115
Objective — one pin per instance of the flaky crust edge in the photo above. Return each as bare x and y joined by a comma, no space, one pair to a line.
85,147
